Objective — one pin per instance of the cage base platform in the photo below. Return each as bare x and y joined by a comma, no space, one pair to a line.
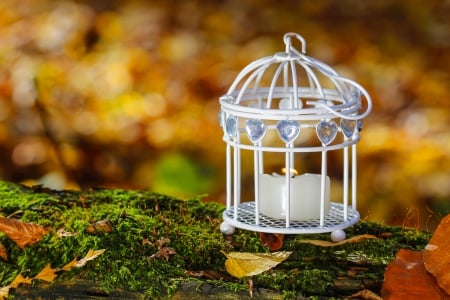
333,221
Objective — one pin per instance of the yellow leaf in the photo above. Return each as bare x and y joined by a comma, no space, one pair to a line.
4,292
92,254
18,280
332,244
70,265
241,264
22,233
46,274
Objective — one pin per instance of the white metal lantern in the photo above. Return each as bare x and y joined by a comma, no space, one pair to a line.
294,106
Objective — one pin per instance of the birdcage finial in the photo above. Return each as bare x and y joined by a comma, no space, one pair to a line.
287,41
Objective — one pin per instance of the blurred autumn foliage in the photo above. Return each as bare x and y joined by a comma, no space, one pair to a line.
125,93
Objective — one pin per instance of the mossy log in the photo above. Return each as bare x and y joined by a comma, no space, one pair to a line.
141,223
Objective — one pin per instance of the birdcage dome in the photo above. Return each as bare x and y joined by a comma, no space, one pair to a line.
287,93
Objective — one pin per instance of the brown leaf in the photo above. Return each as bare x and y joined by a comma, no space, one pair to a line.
63,233
18,280
162,242
23,234
436,256
406,278
3,252
208,274
273,241
47,274
164,252
354,239
100,226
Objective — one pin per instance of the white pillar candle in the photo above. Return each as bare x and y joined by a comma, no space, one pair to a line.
304,196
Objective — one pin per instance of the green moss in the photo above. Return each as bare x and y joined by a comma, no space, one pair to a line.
140,219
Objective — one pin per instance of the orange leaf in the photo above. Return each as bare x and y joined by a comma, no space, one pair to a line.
18,280
46,274
3,252
70,265
406,278
22,233
436,256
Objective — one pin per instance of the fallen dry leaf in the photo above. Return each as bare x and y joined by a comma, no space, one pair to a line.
80,263
354,239
47,274
436,256
4,292
164,252
406,278
18,280
3,252
100,226
92,254
70,265
162,242
208,274
63,233
23,234
365,295
241,264
273,241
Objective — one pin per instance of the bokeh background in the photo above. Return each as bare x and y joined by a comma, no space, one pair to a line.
125,93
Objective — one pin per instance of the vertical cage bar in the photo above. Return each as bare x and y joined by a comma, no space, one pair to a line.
291,153
236,183
322,187
288,189
256,171
228,178
354,176
345,183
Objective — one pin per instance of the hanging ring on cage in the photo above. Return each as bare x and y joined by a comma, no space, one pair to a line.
287,42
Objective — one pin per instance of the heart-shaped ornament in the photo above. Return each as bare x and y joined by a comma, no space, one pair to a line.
359,125
348,127
288,130
255,129
231,127
326,131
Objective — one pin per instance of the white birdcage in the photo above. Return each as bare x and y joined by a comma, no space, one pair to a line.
294,106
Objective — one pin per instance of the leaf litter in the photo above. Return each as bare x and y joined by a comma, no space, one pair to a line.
48,273
23,234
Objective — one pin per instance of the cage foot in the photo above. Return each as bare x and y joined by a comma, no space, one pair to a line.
226,228
338,235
